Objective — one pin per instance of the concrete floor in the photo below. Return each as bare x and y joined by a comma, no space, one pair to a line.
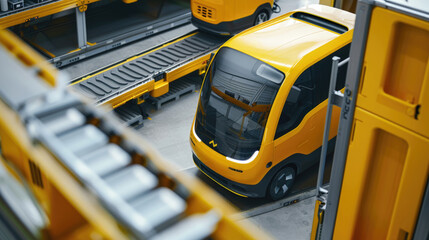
168,130
292,222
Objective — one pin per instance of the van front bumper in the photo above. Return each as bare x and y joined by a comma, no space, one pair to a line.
255,191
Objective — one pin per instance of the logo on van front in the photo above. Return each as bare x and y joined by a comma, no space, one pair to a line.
213,143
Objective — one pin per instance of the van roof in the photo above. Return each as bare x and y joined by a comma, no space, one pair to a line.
283,41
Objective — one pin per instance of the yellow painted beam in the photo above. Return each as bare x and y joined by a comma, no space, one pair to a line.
42,11
28,56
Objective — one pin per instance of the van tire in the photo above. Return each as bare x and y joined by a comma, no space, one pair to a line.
261,17
281,183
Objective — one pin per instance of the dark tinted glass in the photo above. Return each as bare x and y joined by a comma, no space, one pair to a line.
321,22
235,102
313,84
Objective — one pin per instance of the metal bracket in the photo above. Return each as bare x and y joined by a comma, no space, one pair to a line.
159,76
82,5
337,98
322,190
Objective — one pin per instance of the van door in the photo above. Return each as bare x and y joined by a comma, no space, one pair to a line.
300,125
298,103
294,126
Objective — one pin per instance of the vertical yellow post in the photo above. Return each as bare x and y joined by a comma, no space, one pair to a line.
319,210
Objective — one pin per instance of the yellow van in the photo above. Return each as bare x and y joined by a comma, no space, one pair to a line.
230,16
262,106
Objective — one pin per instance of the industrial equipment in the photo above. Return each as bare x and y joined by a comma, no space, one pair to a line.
148,73
230,17
68,31
70,171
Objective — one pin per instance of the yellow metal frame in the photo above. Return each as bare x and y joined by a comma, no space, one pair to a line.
28,56
42,11
59,183
317,219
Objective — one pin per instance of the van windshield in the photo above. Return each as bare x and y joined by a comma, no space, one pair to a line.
235,103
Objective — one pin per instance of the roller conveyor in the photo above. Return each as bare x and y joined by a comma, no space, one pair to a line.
105,179
130,192
127,190
152,66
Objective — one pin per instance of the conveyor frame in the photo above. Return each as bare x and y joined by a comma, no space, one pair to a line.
84,50
150,72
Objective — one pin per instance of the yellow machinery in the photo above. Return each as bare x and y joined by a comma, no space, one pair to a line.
348,5
43,10
68,171
230,17
34,10
68,31
379,182
260,114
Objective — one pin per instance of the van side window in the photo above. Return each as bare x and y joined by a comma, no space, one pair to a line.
321,72
312,88
296,107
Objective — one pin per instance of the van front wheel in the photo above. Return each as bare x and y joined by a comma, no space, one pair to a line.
260,18
281,183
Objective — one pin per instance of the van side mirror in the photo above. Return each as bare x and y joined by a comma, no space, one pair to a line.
294,94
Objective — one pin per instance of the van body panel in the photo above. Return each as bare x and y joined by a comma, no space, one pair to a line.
297,49
267,41
297,140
